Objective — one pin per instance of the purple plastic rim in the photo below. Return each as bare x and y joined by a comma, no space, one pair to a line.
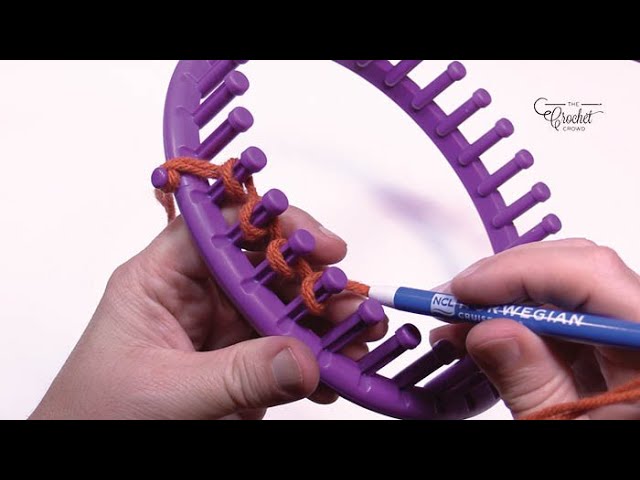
461,391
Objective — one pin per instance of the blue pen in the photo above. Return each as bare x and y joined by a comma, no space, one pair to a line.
572,326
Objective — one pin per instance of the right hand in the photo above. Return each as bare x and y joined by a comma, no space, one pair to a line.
532,373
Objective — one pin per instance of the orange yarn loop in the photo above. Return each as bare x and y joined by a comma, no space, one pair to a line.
247,195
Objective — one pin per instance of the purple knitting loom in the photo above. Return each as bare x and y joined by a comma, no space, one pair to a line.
201,89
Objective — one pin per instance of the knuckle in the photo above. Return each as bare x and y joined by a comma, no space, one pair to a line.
580,242
242,384
124,279
119,273
531,390
605,258
120,276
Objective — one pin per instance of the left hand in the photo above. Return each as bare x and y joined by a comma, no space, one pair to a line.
165,343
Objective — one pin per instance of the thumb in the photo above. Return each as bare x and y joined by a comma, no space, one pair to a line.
526,372
251,375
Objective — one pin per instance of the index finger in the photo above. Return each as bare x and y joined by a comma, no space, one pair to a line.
588,278
174,249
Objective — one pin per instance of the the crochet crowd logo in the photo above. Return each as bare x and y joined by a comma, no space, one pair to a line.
568,116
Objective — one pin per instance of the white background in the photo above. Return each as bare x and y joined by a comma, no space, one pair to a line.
80,139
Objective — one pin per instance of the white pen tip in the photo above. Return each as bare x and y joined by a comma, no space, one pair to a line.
385,295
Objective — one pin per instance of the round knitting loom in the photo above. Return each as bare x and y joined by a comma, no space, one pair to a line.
200,90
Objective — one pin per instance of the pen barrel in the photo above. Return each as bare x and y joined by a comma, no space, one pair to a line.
572,326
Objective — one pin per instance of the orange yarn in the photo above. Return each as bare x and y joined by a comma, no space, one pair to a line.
248,197
303,272
629,392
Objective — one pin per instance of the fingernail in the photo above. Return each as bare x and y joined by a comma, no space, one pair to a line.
328,233
287,372
497,354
